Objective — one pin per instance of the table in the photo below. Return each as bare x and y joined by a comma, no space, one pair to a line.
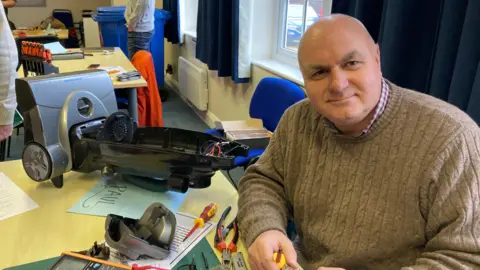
61,34
116,58
23,237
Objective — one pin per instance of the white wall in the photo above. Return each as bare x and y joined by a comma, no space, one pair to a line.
33,16
227,100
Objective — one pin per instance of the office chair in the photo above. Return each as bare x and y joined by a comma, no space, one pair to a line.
66,17
269,101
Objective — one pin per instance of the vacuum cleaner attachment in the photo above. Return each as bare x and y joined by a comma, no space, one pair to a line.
152,235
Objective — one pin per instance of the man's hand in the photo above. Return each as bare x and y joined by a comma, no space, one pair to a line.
260,253
5,132
130,28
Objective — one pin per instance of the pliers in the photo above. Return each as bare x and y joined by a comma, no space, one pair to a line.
222,233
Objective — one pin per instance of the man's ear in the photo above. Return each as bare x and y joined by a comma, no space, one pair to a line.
377,54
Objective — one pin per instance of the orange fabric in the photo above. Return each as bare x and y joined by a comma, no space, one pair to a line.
148,98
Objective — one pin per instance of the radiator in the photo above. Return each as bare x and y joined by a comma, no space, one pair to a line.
192,81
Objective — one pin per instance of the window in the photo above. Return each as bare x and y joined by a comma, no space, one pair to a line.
295,16
189,17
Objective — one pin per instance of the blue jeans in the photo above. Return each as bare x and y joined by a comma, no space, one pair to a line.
139,41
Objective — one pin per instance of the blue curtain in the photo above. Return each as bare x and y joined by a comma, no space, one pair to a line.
217,37
431,46
171,28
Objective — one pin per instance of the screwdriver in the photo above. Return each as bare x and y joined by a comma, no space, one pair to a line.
281,261
206,215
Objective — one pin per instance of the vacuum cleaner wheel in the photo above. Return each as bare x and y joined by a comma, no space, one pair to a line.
37,162
120,127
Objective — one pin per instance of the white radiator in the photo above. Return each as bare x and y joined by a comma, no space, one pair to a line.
192,82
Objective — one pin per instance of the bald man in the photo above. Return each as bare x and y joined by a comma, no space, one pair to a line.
373,175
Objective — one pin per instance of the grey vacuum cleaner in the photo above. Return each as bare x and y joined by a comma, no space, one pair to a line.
72,123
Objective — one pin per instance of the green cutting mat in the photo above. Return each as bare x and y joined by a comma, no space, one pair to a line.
17,119
202,246
40,265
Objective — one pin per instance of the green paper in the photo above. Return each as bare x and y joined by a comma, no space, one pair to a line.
120,197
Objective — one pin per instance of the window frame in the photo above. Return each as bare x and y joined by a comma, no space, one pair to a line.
280,53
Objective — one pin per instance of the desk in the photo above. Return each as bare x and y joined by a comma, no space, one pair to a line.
47,231
117,58
62,34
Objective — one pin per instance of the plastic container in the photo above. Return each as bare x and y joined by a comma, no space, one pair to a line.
157,45
114,34
111,10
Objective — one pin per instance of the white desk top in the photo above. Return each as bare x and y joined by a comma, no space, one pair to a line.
48,230
117,58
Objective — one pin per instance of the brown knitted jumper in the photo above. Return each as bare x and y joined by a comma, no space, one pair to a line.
403,196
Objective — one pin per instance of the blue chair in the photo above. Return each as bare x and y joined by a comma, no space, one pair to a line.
269,101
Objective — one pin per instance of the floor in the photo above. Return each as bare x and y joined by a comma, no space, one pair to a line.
176,113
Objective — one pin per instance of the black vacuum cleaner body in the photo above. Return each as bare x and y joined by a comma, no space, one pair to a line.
72,124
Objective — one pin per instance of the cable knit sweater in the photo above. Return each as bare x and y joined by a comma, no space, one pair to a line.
8,66
403,196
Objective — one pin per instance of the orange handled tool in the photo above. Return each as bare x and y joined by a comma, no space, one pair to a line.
30,48
207,214
27,47
24,47
41,51
38,47
48,55
35,49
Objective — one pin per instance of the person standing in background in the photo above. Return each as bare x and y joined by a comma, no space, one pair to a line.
139,15
8,66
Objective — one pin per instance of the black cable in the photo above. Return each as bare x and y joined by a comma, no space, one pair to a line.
185,265
231,180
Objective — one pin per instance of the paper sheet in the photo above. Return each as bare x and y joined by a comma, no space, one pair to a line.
55,47
114,70
116,196
13,201
179,248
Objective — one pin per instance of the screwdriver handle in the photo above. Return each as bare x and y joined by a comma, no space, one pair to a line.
24,47
35,49
206,215
27,49
41,52
279,259
48,55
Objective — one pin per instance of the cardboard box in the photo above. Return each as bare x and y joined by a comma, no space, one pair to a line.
249,132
